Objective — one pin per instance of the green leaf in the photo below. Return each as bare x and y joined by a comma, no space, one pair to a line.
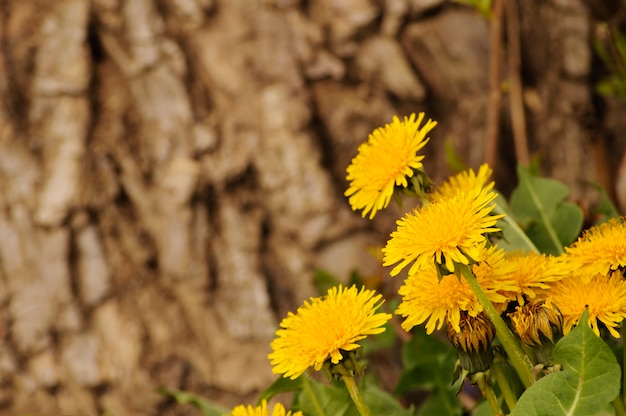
317,399
280,385
206,407
425,353
323,280
515,239
588,382
453,159
382,403
429,365
605,210
549,221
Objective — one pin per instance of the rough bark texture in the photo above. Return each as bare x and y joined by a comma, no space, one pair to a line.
171,172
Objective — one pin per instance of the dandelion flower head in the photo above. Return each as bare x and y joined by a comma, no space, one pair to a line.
446,231
533,272
603,295
324,327
384,161
262,410
464,181
425,298
601,249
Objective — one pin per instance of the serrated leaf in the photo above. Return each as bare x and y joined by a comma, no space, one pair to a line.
549,221
206,407
589,381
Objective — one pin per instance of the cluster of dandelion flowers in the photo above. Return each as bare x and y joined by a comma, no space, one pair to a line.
262,410
464,181
601,249
324,327
384,161
426,298
603,294
446,231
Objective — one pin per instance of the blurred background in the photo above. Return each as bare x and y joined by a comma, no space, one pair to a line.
172,171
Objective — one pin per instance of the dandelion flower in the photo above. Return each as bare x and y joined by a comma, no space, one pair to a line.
388,158
446,231
425,298
534,322
464,182
279,410
601,249
533,272
473,342
603,295
324,327
539,326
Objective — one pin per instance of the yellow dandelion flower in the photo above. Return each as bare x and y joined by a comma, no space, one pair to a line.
604,295
262,410
446,231
495,272
386,160
533,272
425,298
324,327
534,322
601,248
464,182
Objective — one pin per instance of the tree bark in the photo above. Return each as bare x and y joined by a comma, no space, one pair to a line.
172,171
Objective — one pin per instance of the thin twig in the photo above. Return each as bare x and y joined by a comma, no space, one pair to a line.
494,100
518,120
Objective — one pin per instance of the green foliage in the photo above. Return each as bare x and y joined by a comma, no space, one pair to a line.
323,280
605,209
329,399
514,238
610,46
548,220
428,363
588,382
206,407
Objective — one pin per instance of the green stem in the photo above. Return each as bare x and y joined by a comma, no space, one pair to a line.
623,364
505,386
517,358
492,400
356,395
618,405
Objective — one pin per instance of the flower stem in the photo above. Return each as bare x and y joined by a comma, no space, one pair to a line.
490,395
618,405
623,400
517,358
505,386
356,395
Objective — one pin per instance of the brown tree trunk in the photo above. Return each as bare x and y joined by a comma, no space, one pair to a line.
172,171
